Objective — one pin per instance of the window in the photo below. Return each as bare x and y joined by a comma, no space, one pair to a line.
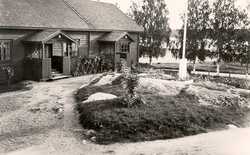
5,50
65,49
124,47
74,51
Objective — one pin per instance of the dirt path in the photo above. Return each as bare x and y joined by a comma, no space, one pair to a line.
27,118
64,137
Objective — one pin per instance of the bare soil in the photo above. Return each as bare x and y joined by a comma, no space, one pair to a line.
32,123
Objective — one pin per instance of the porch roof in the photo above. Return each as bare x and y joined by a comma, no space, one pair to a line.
46,35
114,36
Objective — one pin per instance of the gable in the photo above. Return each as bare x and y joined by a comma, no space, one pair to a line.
115,36
46,35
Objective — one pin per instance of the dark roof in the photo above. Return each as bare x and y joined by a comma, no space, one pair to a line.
114,36
39,14
46,35
64,14
104,16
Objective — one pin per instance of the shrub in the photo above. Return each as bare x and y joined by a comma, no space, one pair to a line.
129,82
82,66
9,70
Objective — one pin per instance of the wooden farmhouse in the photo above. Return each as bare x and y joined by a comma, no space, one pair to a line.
49,33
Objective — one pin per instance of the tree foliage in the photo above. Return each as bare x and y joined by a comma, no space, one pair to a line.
197,34
152,15
216,30
227,18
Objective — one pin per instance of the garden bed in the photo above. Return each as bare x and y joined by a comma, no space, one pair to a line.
164,115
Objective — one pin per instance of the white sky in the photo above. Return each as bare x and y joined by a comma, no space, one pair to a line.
175,7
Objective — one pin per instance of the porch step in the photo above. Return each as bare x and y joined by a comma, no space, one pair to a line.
59,77
55,75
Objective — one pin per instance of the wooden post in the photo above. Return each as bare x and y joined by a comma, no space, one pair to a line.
69,50
115,67
43,51
62,49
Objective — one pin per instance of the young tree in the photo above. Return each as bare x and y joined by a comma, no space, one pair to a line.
226,19
242,47
197,31
152,15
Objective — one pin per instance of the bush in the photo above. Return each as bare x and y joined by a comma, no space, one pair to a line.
9,70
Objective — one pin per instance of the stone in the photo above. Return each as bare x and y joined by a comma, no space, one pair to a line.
231,126
100,96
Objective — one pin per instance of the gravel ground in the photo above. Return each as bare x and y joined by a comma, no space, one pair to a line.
27,118
33,126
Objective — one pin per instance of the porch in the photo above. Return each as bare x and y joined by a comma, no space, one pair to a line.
48,55
114,47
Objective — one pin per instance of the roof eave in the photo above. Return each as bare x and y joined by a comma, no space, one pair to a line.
69,29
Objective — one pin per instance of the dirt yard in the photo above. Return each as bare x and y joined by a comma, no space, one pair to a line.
42,121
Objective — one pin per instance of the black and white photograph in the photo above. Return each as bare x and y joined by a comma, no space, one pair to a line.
124,77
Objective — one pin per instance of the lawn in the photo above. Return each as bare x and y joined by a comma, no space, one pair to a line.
172,110
206,67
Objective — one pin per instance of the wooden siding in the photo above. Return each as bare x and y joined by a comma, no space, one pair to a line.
94,44
66,66
57,49
88,46
46,68
38,69
18,51
3,77
83,38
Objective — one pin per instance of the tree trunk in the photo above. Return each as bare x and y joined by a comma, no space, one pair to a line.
247,70
218,68
218,65
150,56
150,60
194,66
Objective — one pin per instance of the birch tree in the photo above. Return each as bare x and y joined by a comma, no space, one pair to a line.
152,15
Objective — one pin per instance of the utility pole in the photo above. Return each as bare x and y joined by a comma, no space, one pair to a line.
183,61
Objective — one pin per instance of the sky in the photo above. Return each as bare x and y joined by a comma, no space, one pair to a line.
175,7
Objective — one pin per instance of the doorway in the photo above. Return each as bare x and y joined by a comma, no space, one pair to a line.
56,60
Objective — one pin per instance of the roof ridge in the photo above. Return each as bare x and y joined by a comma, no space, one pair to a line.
77,13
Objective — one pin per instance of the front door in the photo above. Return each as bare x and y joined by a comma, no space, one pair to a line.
59,50
55,56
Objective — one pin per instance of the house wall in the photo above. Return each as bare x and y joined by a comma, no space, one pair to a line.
94,44
83,38
134,46
88,46
17,53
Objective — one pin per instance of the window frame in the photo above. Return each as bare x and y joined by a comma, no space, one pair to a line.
124,47
10,41
75,53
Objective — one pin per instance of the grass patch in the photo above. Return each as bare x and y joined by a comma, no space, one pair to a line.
206,67
235,82
162,117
